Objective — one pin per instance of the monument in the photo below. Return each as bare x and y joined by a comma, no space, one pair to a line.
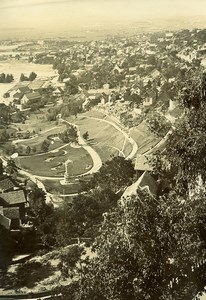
66,174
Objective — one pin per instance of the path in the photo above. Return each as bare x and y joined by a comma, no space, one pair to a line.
127,137
34,137
97,162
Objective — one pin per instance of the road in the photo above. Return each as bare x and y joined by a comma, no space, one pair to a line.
127,137
97,162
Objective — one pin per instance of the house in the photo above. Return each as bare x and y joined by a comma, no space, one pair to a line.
23,89
145,183
17,97
30,97
149,98
12,209
10,218
172,104
117,70
12,199
6,184
86,104
36,84
57,92
132,70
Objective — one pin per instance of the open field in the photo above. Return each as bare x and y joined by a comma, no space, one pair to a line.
52,164
143,137
37,141
103,137
16,67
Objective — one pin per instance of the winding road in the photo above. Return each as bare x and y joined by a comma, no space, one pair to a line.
97,162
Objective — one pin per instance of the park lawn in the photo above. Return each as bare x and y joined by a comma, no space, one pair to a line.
52,164
143,137
103,137
127,148
37,141
95,114
55,187
37,121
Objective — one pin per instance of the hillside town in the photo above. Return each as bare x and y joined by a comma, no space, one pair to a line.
102,167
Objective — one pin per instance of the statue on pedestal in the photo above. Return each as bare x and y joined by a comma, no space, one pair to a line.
66,174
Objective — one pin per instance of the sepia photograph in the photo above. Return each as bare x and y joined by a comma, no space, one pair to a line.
103,149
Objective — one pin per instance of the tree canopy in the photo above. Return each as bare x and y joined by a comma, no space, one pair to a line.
115,174
147,249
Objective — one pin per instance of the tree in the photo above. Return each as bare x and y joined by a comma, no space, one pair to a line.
82,218
144,245
11,167
2,78
4,136
28,150
69,135
114,174
23,77
186,147
72,85
4,114
34,149
45,146
9,78
43,217
86,135
32,76
7,249
69,257
158,124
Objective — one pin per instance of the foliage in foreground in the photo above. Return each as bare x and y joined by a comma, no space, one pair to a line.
146,243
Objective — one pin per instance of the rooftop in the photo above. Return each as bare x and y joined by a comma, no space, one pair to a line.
15,197
32,96
145,182
11,212
6,184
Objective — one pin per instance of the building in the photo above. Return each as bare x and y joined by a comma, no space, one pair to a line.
149,97
145,183
30,97
12,209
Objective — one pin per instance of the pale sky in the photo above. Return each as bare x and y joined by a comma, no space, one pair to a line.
69,14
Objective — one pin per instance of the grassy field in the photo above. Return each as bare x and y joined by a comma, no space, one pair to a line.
52,164
143,137
103,137
55,187
37,141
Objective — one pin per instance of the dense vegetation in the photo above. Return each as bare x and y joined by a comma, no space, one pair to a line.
154,247
6,78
